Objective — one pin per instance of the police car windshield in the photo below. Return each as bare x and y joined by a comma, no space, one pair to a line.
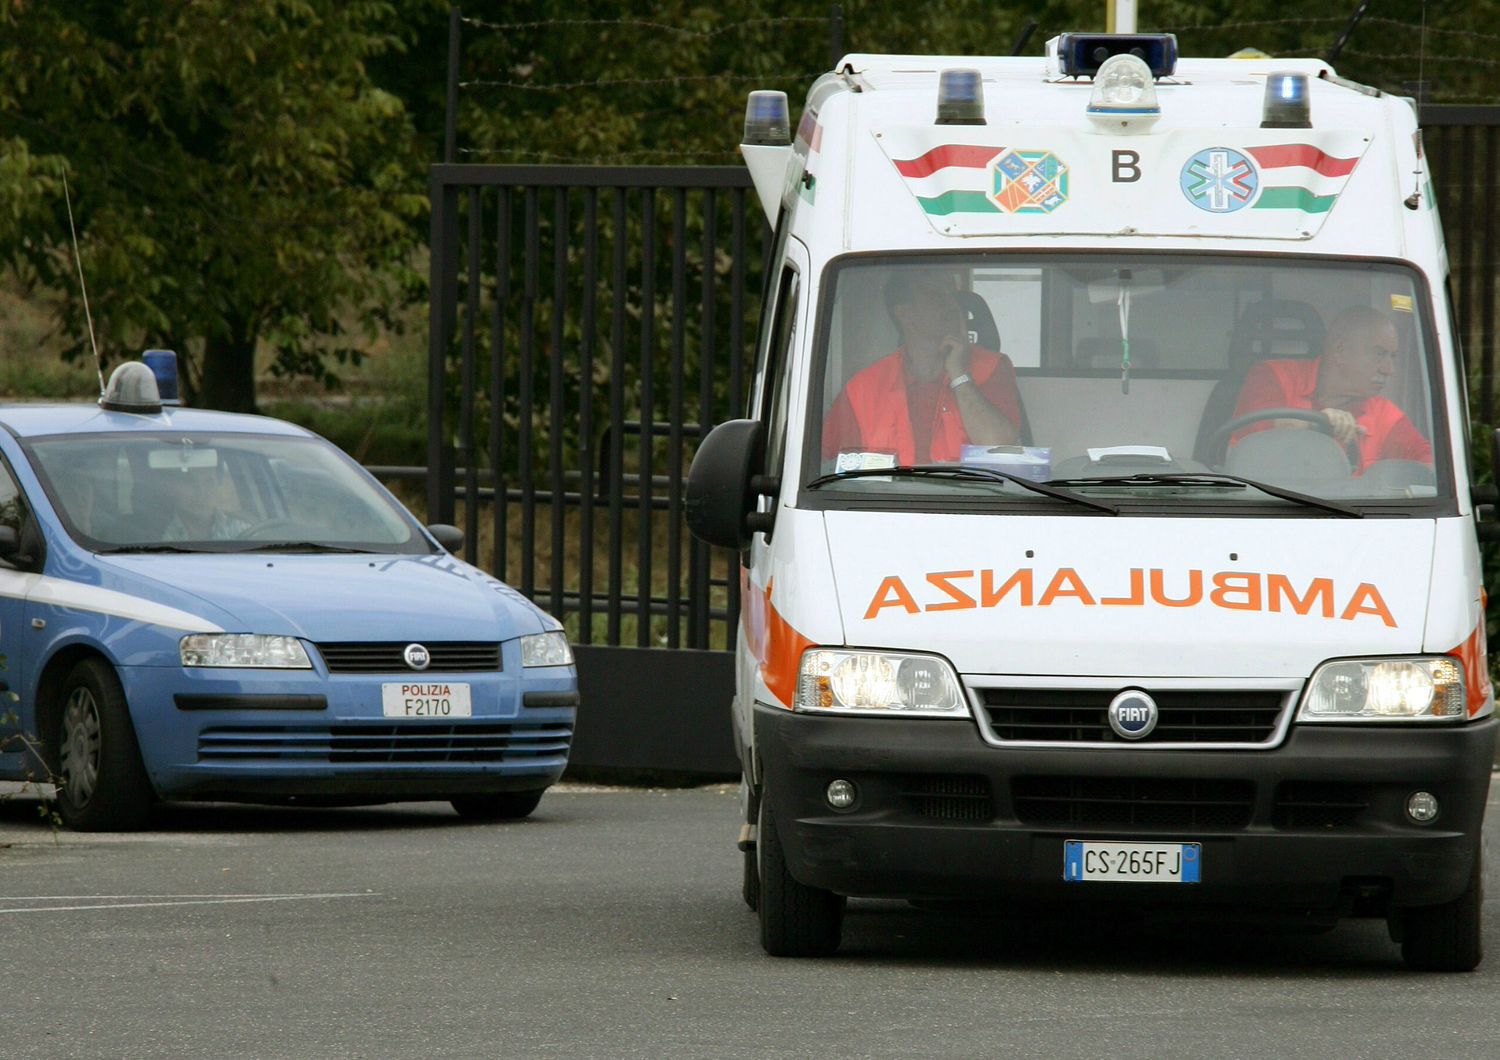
207,492
1163,371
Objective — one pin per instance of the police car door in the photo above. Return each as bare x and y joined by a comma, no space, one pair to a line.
20,545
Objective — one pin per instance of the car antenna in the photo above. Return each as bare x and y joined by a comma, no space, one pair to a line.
82,287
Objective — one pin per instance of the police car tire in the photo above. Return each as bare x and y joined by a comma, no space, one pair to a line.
1447,937
122,795
497,806
795,920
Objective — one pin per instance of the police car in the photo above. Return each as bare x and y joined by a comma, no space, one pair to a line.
198,605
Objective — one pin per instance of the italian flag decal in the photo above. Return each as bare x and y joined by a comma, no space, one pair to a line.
969,178
1300,177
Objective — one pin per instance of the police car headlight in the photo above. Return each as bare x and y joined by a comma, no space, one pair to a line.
875,682
244,649
1430,689
546,649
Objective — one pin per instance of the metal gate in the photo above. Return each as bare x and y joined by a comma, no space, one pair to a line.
590,324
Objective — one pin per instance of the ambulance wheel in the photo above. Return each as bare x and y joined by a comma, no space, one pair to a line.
795,920
1447,937
101,783
750,883
497,806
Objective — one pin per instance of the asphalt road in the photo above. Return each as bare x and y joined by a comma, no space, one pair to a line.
610,925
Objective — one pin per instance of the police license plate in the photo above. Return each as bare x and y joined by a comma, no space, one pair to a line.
426,699
1085,861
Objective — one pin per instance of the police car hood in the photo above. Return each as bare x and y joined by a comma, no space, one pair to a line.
1141,597
331,597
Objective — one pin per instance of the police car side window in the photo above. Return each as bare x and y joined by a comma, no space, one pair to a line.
12,503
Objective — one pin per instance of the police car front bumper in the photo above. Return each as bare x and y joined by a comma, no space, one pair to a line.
939,814
221,733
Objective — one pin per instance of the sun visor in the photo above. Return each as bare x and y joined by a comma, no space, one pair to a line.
1236,183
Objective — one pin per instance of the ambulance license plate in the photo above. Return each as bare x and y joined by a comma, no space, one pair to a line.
426,699
1086,862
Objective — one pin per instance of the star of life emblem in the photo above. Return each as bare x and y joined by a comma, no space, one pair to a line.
1219,180
1029,182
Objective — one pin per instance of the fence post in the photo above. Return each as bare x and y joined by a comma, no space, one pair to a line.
442,309
450,118
835,35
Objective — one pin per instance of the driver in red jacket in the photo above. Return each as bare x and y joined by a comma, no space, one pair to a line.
927,399
1344,385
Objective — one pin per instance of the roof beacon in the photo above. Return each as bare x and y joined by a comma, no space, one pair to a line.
163,365
132,388
1124,94
960,98
767,123
1287,105
1084,54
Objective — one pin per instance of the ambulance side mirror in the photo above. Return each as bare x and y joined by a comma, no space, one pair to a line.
723,485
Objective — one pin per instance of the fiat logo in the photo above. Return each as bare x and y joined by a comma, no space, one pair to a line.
419,658
1132,714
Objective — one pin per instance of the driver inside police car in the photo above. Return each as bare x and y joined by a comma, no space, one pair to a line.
934,394
1344,385
199,503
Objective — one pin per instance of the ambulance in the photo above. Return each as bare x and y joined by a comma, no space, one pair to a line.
1104,504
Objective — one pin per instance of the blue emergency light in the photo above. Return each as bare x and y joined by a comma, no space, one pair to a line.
960,98
767,119
1286,105
163,365
1081,54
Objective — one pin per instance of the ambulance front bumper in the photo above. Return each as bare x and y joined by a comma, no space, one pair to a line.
207,733
1315,824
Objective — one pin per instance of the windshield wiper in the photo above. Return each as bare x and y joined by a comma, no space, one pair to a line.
127,549
305,546
1215,479
988,474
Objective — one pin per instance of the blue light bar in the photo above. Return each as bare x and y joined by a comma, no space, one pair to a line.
1286,105
960,98
1081,54
163,365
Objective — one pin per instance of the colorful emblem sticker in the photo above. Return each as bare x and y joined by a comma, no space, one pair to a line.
1029,182
1219,180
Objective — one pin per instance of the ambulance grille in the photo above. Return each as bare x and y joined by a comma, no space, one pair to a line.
1069,715
388,658
1319,804
405,744
950,798
1135,802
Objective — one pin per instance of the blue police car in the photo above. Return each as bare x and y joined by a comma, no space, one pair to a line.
198,605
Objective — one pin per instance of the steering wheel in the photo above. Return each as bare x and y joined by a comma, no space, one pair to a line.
1311,416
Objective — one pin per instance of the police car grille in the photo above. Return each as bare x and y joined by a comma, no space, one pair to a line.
379,658
406,744
1135,802
1058,715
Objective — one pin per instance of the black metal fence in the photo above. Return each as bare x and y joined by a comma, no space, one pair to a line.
590,324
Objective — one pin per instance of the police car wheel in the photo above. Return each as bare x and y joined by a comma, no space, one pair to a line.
101,783
1447,937
498,806
795,920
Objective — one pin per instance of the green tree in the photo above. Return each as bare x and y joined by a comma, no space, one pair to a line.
238,178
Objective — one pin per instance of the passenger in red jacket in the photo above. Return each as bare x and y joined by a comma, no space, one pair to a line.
927,399
1344,385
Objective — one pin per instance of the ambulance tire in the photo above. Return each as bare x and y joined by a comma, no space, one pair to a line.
101,784
497,806
1447,937
750,884
795,920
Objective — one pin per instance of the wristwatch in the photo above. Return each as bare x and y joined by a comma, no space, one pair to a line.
959,380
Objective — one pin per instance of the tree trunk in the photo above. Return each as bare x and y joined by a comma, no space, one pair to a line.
227,381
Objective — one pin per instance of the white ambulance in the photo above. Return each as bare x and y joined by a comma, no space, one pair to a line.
1104,501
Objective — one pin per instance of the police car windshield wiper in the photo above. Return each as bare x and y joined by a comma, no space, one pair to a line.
127,549
304,546
1214,479
989,474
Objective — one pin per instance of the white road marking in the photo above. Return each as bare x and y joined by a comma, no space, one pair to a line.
149,901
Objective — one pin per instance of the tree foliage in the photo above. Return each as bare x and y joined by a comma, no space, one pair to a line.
237,176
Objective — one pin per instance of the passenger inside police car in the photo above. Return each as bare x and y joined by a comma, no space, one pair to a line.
1344,385
937,392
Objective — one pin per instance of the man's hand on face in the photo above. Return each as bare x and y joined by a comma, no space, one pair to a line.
1345,430
955,356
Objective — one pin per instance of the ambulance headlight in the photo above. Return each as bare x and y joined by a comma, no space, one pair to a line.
546,649
244,650
1422,689
874,682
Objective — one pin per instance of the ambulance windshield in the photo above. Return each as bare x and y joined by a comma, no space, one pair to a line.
1150,379
204,492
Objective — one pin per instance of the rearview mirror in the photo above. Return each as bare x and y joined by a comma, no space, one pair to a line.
722,485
